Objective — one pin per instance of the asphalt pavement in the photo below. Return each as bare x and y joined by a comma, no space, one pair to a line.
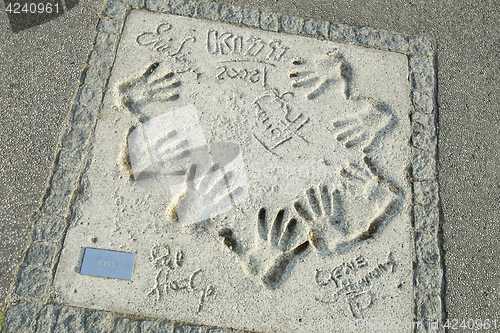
41,60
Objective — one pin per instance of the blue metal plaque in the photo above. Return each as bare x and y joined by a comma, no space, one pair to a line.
112,264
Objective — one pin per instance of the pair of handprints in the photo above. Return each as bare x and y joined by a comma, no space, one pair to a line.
204,179
337,219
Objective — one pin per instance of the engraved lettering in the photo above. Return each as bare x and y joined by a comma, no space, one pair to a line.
356,291
276,133
172,277
287,114
235,72
349,267
238,45
322,277
282,128
341,273
224,43
359,302
179,284
231,73
256,45
212,46
220,76
242,74
337,275
365,281
255,77
277,50
375,274
360,262
227,46
219,43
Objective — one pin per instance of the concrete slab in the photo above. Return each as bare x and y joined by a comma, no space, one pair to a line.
309,215
264,181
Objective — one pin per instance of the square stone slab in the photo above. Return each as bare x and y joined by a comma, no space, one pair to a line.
260,178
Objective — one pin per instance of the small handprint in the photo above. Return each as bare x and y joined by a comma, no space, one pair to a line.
160,150
209,197
352,212
173,153
136,92
272,256
162,154
364,128
322,75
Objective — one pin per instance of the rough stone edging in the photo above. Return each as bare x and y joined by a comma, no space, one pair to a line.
29,302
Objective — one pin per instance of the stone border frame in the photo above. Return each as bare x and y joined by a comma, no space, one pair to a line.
31,306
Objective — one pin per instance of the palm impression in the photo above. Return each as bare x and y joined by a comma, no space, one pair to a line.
320,76
365,127
151,86
274,251
353,211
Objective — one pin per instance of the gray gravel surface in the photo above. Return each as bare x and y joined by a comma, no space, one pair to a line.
39,69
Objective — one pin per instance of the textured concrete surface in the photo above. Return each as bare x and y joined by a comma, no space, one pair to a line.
467,95
330,155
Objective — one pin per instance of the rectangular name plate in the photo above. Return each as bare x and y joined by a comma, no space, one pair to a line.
111,264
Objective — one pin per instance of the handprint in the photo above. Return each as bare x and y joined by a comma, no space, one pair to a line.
365,127
136,92
325,219
366,199
162,154
210,196
272,256
352,212
322,75
169,147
